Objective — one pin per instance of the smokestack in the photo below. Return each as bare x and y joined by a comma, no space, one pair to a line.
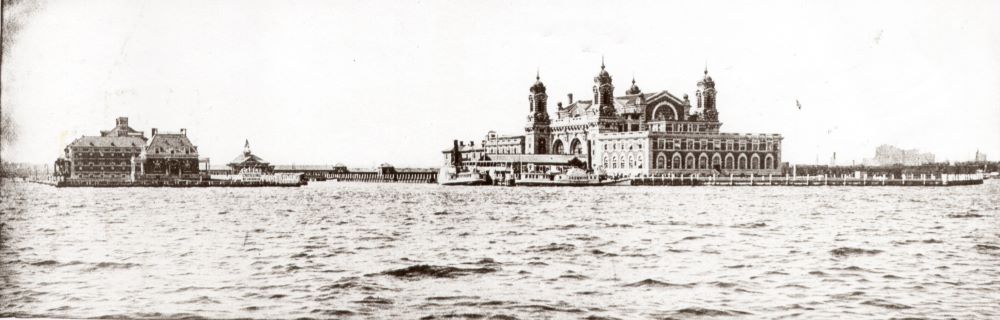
154,131
570,98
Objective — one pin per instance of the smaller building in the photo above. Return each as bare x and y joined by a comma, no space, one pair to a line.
248,160
171,155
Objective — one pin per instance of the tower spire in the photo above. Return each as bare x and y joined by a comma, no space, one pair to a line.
538,73
602,62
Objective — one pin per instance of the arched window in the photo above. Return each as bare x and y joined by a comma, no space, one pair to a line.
742,162
614,162
703,161
730,162
606,163
716,161
768,162
638,161
755,162
661,161
621,162
557,147
676,162
689,162
576,147
631,161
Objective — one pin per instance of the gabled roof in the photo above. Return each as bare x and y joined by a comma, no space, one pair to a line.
110,141
242,158
533,158
171,144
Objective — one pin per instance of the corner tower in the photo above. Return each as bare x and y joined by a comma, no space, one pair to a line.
604,92
536,132
706,98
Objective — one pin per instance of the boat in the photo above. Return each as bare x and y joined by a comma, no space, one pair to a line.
572,178
450,176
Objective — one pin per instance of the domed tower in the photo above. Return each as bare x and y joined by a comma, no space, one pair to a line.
634,89
604,92
536,132
706,98
537,102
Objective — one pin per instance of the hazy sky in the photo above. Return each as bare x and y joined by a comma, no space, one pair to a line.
365,82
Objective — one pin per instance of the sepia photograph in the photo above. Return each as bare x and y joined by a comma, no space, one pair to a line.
499,159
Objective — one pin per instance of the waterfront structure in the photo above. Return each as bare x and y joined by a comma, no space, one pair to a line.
638,133
886,155
170,155
109,156
248,160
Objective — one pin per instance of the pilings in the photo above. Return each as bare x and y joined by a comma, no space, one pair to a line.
400,177
903,181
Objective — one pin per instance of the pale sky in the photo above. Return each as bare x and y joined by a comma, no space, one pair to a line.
366,82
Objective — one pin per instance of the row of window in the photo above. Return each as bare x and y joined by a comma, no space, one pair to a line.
623,162
740,162
623,146
104,155
103,168
106,149
728,145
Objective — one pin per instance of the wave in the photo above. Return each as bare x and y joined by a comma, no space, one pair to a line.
430,271
886,304
552,247
848,251
695,311
113,265
750,225
965,215
657,284
374,300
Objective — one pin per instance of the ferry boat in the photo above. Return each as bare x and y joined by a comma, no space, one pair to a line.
572,178
449,176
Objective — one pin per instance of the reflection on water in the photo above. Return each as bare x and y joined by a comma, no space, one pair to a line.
333,250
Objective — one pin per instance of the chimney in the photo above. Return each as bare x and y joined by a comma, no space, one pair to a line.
559,104
472,143
122,122
154,131
184,131
461,143
570,98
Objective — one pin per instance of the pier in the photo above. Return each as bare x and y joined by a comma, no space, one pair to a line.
923,180
401,177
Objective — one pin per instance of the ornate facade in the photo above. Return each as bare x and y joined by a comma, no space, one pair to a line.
641,133
171,154
106,157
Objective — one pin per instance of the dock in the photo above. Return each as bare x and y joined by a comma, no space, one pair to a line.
923,180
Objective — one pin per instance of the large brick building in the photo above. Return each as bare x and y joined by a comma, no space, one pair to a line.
638,133
122,153
108,156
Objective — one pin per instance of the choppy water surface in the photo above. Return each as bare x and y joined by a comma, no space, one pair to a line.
332,250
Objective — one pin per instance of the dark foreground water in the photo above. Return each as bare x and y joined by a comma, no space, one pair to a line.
344,250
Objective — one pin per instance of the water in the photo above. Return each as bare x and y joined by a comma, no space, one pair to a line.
353,250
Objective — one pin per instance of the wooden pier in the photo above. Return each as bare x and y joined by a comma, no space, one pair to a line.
903,181
399,177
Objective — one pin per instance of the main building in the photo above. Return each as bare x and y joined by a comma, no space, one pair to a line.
637,133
